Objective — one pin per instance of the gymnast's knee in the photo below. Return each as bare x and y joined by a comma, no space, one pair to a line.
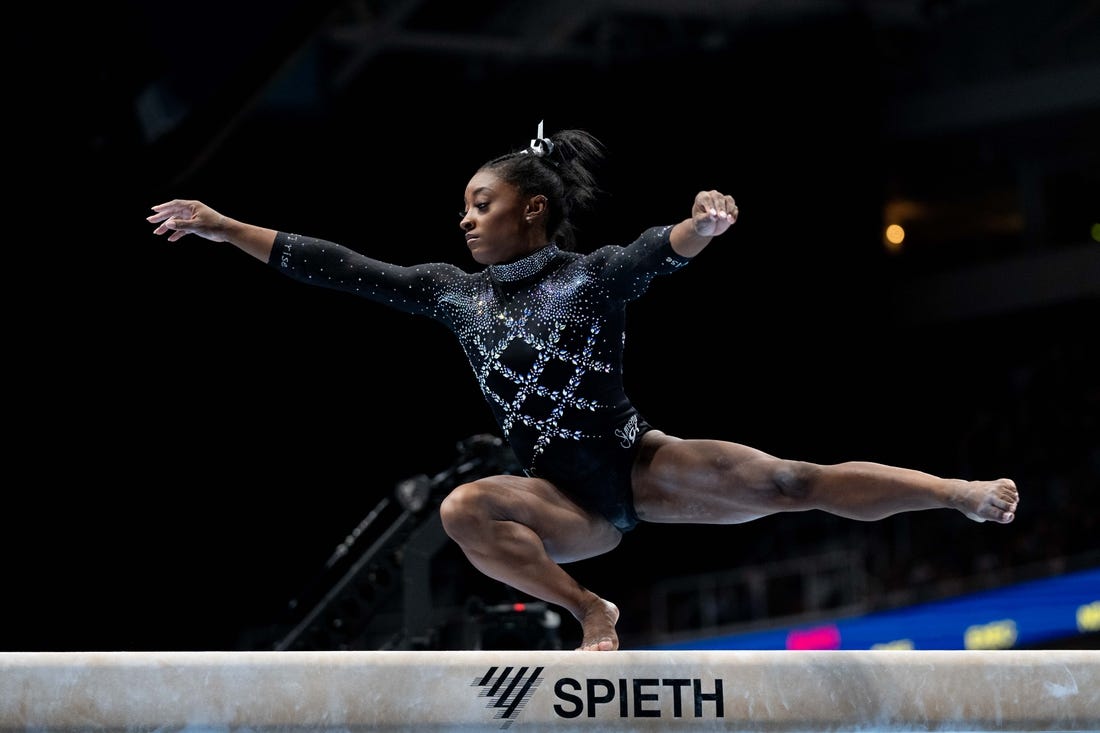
464,510
793,479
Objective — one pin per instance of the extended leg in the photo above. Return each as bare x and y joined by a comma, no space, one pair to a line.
719,482
516,530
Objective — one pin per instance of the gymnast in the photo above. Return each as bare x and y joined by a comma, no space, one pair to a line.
543,328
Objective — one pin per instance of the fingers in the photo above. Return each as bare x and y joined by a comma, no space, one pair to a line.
718,205
175,225
174,216
715,212
170,209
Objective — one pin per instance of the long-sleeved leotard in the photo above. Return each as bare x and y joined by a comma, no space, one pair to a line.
545,337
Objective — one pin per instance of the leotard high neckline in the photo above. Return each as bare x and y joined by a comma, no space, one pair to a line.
525,266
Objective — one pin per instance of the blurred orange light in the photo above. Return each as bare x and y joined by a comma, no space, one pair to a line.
894,236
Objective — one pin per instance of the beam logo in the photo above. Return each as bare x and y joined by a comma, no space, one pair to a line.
508,690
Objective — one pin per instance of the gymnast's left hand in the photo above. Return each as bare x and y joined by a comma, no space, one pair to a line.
713,213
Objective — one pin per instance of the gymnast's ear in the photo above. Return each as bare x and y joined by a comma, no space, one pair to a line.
536,207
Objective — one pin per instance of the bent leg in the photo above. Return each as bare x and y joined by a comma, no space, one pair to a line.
517,530
719,482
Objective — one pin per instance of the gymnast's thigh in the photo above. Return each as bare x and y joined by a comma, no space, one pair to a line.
703,481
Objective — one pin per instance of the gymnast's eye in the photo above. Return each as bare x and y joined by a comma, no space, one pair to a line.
480,207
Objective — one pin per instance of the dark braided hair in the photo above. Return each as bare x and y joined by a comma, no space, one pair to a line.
563,172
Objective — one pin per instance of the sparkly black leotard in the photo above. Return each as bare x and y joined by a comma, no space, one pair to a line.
545,337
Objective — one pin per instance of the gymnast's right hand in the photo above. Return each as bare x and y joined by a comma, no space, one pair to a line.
182,217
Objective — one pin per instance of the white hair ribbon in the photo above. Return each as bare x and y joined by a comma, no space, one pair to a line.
540,146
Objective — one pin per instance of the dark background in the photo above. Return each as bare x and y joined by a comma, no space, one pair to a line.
190,434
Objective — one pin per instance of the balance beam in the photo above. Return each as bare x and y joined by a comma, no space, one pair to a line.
352,691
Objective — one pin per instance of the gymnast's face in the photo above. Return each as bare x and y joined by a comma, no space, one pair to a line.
498,220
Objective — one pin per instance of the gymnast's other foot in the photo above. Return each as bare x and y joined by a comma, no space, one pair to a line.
994,501
598,623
